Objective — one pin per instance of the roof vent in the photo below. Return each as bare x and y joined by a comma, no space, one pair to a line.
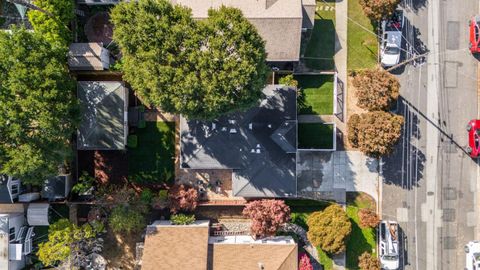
250,126
258,151
252,151
224,128
233,131
232,122
269,125
214,126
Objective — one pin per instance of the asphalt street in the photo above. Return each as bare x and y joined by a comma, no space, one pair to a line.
430,183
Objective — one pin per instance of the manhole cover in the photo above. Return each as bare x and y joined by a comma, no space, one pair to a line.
449,193
448,215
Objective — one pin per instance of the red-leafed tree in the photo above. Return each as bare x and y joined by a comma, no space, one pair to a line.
305,263
368,218
267,216
182,198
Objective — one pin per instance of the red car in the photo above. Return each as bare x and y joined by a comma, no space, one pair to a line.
473,147
474,43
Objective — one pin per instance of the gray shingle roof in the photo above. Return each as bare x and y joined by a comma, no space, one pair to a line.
259,145
103,125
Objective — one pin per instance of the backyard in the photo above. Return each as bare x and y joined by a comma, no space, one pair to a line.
315,136
316,94
152,161
361,41
320,48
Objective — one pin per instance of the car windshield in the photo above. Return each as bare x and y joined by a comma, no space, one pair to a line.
392,50
390,257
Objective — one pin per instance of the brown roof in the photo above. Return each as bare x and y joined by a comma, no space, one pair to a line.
170,247
252,256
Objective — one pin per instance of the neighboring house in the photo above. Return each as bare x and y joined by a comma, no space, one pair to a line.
104,115
191,247
88,56
15,241
279,22
57,187
259,145
10,189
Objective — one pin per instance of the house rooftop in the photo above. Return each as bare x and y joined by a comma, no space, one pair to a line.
259,145
86,56
103,124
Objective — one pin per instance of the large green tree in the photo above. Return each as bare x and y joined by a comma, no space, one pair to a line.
38,109
200,69
52,19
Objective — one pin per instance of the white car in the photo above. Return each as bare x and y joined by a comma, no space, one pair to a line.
472,250
391,41
389,245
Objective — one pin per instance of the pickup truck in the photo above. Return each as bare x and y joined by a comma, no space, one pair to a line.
391,39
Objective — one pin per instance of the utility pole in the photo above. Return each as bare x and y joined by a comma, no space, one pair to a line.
406,61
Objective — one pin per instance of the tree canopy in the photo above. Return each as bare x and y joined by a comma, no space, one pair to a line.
376,89
378,9
328,229
53,26
375,133
267,216
201,69
38,109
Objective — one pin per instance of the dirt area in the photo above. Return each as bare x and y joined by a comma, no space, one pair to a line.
216,213
352,108
119,250
107,166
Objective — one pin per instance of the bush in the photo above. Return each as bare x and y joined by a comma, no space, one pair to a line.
378,9
305,263
329,229
368,218
84,184
377,89
160,201
288,81
132,141
146,196
375,133
54,29
182,198
125,219
267,216
182,219
367,262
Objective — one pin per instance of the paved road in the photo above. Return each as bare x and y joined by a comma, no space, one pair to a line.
430,182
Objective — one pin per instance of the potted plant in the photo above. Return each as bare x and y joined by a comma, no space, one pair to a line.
84,186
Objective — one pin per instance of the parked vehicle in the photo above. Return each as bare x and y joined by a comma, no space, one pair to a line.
389,245
474,43
472,250
391,41
473,148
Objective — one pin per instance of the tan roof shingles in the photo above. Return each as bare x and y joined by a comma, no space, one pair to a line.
175,247
249,256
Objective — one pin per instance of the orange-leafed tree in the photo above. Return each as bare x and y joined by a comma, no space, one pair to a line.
267,216
182,198
368,218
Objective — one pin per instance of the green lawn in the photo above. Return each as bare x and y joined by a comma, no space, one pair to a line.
316,96
321,45
360,240
362,44
315,136
152,161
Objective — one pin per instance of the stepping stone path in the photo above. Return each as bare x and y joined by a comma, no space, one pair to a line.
309,248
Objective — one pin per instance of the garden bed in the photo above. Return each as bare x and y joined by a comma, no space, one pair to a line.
317,136
152,161
316,94
362,42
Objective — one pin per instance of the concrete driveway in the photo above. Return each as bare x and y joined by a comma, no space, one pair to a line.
329,175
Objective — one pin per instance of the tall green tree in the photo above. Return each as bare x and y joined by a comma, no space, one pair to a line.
200,69
51,18
38,109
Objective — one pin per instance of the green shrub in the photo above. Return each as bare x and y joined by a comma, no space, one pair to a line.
288,81
125,219
146,196
84,184
182,219
132,141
